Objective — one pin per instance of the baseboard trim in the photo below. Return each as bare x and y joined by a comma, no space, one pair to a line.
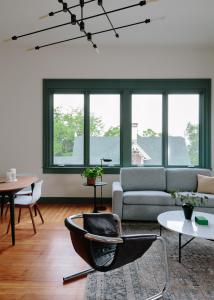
74,200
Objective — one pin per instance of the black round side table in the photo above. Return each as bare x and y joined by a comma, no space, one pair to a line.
97,184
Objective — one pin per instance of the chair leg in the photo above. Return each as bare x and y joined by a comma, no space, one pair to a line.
37,208
160,295
31,215
35,211
2,207
166,267
156,297
7,207
3,202
8,227
77,275
19,217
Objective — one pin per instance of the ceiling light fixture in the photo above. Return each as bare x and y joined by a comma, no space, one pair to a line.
81,22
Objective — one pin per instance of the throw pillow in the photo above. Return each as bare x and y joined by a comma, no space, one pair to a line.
205,184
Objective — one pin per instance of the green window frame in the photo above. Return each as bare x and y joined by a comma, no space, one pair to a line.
125,87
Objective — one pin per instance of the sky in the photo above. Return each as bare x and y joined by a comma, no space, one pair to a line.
146,110
182,110
107,107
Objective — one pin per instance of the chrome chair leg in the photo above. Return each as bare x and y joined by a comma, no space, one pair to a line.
165,264
156,297
78,275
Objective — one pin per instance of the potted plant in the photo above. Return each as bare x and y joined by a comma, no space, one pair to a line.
189,201
91,174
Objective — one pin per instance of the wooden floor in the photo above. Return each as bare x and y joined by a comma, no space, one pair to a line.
34,267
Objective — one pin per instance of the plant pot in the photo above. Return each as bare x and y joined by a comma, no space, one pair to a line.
188,210
91,180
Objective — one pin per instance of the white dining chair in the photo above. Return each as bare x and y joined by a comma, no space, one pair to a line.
29,201
27,191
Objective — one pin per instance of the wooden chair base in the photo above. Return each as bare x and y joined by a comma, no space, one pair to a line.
36,209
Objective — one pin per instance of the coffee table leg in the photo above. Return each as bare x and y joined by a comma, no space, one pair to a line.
179,257
184,245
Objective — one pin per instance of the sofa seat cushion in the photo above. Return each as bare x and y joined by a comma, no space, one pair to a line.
147,198
206,203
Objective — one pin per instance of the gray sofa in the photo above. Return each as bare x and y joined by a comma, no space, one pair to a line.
143,193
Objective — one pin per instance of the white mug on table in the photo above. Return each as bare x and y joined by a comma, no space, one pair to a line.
11,175
8,176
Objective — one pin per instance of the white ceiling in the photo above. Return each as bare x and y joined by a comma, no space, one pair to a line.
187,22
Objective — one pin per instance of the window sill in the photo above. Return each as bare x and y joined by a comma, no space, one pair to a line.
76,170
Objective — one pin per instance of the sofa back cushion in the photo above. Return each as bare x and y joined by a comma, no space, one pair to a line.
184,180
205,184
143,178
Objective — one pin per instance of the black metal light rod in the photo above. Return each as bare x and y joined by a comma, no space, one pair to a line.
95,33
146,21
64,41
78,23
40,30
112,26
141,3
52,13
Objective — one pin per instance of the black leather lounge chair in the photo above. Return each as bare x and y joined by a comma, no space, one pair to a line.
101,244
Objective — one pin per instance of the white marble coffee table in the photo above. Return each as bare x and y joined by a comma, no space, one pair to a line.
175,221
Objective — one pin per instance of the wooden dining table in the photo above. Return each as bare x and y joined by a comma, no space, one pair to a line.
9,190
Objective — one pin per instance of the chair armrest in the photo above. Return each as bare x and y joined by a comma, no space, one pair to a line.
155,236
103,239
117,198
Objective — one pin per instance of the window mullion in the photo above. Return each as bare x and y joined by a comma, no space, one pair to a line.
201,130
86,128
125,132
165,129
51,133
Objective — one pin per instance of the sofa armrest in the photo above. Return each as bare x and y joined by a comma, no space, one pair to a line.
117,198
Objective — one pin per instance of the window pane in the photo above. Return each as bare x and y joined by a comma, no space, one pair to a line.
104,128
146,130
68,129
183,130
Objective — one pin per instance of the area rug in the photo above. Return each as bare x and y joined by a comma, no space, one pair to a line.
192,279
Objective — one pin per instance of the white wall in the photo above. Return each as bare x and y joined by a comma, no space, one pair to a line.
21,75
